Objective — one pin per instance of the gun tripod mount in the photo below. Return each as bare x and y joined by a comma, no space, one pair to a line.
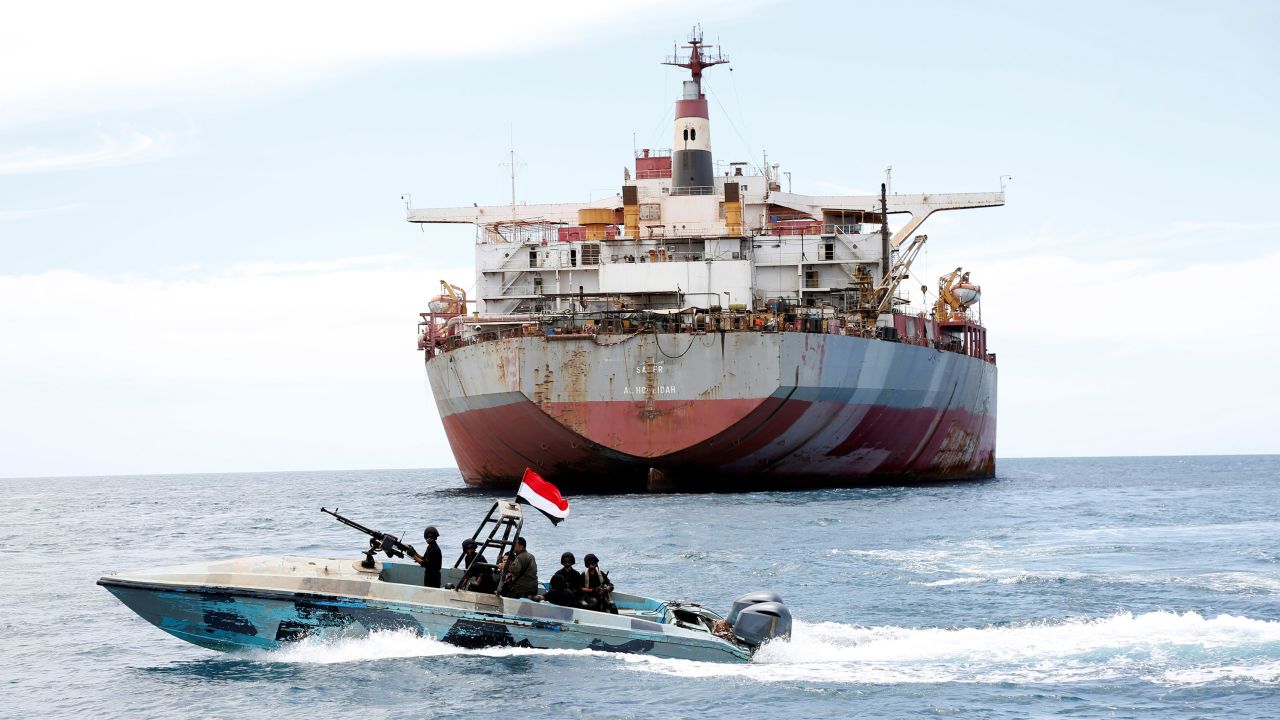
378,542
384,544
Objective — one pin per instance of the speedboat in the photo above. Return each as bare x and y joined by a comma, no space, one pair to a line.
269,601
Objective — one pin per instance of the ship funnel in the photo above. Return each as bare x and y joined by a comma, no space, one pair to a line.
691,168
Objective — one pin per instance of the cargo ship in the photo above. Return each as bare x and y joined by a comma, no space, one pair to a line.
702,329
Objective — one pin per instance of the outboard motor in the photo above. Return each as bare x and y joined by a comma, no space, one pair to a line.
746,601
759,616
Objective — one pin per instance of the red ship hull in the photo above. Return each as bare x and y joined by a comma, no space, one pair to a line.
928,415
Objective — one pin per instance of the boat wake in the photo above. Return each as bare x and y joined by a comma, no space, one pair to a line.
387,644
1157,647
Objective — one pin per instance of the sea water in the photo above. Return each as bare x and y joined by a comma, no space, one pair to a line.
1121,587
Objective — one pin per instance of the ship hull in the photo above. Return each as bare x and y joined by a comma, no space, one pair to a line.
721,411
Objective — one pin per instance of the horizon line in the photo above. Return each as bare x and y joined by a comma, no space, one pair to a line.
455,469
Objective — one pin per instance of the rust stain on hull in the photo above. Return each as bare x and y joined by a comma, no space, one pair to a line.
957,449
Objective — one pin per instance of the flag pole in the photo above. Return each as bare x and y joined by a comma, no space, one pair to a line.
524,475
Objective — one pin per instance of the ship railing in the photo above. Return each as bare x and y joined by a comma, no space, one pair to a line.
657,231
653,174
522,233
558,326
912,310
804,227
736,169
692,190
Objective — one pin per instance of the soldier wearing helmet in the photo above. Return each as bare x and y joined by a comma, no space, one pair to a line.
596,586
480,578
431,558
572,578
471,553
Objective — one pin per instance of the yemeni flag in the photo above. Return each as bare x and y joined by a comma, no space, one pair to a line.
543,496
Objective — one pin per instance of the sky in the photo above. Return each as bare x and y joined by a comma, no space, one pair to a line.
205,267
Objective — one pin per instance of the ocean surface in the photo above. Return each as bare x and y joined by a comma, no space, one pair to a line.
1080,588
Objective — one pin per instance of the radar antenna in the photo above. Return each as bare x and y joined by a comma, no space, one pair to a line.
695,61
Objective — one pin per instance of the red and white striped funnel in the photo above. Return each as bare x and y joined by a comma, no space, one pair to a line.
691,169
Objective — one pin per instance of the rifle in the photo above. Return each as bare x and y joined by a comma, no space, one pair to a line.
598,597
378,541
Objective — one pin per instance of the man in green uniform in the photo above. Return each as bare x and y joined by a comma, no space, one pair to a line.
522,572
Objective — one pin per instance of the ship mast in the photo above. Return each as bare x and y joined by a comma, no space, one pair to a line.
691,168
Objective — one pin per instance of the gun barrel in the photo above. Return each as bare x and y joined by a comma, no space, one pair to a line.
386,542
352,523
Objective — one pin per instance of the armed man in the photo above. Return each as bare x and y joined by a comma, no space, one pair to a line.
471,553
521,572
596,586
572,578
431,559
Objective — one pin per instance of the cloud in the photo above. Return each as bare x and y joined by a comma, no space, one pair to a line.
1128,357
1068,300
78,57
353,318
319,266
16,215
1156,241
257,366
125,147
824,187
1178,228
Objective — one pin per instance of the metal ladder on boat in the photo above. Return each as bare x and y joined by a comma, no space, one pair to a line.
507,519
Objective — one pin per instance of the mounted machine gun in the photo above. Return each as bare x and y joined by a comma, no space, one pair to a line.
378,542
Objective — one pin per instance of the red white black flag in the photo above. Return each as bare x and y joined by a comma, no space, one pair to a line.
543,496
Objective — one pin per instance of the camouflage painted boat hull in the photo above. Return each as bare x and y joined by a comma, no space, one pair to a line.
267,602
720,411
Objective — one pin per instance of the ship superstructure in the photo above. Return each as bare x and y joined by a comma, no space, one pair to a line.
703,328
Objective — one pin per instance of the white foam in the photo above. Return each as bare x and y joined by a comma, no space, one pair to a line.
376,645
1156,645
385,644
1159,647
951,581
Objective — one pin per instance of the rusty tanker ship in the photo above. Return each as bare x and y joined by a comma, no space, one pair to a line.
703,329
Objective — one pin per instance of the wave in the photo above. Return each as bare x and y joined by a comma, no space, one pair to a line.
1264,674
1235,582
1157,647
948,582
977,563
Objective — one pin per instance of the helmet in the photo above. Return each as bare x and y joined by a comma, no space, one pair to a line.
567,559
468,544
591,559
430,532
